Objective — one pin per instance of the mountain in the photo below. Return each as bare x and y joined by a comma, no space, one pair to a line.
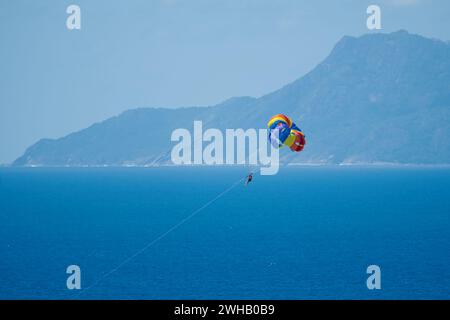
375,98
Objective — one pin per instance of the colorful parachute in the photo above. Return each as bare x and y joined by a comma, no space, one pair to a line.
283,131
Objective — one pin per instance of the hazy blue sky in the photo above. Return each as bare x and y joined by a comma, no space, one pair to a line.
168,53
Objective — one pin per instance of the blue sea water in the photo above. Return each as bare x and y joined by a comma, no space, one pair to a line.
305,233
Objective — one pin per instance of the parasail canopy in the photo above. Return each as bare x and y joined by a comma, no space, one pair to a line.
282,131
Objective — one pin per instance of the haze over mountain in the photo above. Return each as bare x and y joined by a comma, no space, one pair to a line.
375,98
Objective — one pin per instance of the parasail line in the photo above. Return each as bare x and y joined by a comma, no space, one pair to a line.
160,237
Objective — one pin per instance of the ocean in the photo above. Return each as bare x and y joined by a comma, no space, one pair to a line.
305,233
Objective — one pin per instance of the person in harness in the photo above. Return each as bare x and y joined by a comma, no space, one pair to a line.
249,179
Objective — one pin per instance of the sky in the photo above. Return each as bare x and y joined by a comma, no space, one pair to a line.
168,53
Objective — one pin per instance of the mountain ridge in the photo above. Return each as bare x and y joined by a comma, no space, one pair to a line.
361,104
